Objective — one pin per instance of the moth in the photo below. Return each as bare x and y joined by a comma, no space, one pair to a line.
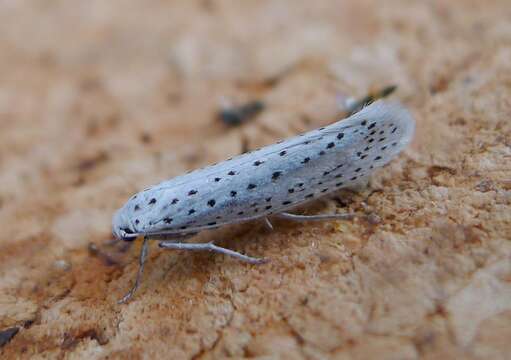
264,183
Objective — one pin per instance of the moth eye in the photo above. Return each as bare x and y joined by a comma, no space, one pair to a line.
126,234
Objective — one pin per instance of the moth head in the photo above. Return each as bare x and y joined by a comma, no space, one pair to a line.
121,228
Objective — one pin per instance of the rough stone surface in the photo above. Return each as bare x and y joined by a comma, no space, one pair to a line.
100,98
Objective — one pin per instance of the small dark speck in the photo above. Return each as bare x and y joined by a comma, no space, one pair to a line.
136,208
174,201
394,130
320,183
340,136
268,199
191,211
167,220
363,156
251,186
326,173
364,123
268,207
370,140
359,153
275,175
7,334
256,210
371,126
324,190
299,184
217,179
257,163
338,176
233,193
218,217
382,132
372,132
211,202
377,158
358,169
286,203
321,153
381,139
282,153
152,201
290,191
137,221
231,173
192,192
306,160
353,178
394,143
383,147
241,213
309,196
330,145
367,148
212,223
183,227
339,184
307,142
321,128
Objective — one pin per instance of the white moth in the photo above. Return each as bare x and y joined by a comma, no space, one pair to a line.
265,182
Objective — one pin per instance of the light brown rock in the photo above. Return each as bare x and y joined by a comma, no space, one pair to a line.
100,99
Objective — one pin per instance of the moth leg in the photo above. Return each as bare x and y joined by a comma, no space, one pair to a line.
141,262
268,223
210,247
296,217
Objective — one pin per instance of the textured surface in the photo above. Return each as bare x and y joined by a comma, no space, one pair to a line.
100,99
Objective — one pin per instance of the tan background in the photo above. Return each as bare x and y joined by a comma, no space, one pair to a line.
100,98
